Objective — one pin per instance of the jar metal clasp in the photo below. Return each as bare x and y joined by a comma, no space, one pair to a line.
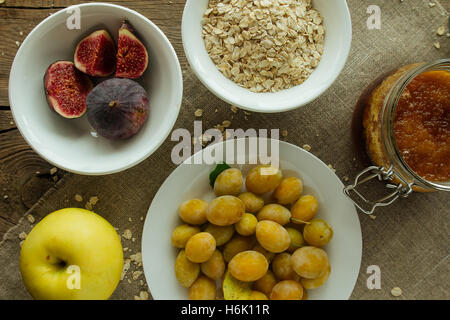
401,190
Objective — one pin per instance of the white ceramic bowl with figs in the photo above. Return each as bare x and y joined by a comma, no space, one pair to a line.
337,22
70,144
190,181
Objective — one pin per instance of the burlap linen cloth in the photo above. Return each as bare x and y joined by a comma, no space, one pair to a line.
408,240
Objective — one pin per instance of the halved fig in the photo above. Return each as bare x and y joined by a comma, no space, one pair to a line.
117,108
66,89
95,55
132,56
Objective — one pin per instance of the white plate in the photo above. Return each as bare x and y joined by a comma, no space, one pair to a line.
69,144
192,181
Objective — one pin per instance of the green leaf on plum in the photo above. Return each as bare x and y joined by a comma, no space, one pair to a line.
218,170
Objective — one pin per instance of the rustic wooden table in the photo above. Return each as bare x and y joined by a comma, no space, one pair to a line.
24,176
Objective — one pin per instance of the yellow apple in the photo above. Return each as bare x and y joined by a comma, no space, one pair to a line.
72,254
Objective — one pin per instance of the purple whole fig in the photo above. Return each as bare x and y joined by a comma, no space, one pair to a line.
117,108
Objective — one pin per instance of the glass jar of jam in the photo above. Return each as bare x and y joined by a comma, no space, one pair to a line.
406,133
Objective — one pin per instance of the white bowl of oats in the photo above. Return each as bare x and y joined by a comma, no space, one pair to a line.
267,55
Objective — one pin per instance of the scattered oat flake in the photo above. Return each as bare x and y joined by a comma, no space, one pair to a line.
346,178
227,135
130,220
53,171
143,295
331,167
31,219
396,292
198,112
437,45
440,31
226,123
88,206
18,43
125,249
431,4
21,243
142,218
127,234
5,196
284,133
22,236
134,239
372,217
78,198
234,109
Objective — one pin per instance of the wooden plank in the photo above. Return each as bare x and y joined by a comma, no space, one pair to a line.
24,177
17,23
28,3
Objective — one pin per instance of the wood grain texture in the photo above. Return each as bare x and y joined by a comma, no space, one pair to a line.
48,4
406,238
18,162
20,187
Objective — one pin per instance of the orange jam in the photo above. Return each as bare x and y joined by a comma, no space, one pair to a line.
422,125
